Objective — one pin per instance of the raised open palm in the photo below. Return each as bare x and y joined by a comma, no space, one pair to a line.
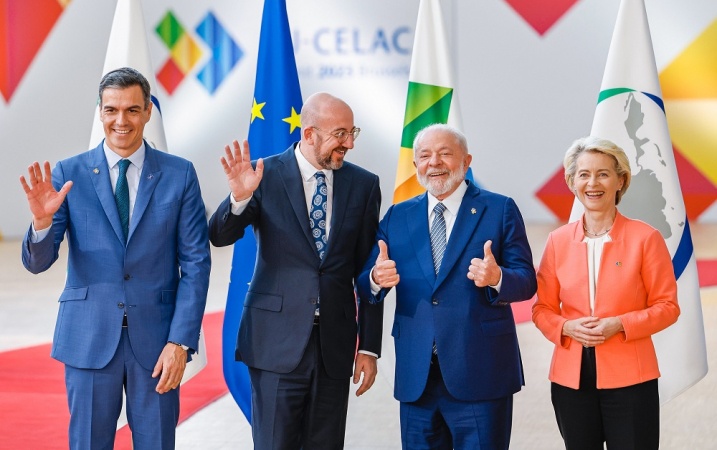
243,179
42,197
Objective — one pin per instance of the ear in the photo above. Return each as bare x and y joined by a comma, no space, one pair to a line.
149,111
467,162
308,135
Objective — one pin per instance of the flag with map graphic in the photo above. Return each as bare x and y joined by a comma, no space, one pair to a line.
631,113
431,97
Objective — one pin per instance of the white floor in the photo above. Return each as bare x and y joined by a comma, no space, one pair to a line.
28,308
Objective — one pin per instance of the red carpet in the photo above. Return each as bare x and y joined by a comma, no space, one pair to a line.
33,402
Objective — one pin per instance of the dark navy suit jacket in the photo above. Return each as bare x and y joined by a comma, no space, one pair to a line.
473,327
289,276
160,278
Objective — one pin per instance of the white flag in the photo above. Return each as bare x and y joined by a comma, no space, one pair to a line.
631,113
128,47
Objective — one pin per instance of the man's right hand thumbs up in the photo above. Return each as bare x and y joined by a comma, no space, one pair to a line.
384,272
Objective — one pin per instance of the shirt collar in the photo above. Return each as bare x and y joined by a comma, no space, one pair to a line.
452,202
308,170
136,158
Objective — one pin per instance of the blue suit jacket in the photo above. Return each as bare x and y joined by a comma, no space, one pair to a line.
473,327
160,278
289,276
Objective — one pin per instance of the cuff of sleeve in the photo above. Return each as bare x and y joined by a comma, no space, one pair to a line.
375,288
238,207
500,282
366,352
38,235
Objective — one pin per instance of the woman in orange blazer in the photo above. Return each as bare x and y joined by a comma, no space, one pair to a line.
605,286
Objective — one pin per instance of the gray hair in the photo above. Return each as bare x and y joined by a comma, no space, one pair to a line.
592,144
124,78
457,134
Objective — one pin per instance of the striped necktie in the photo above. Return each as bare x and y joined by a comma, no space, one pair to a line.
438,235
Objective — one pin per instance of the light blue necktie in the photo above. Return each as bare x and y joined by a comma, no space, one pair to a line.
438,242
122,196
438,235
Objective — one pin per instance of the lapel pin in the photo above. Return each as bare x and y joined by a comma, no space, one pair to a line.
473,210
618,263
150,176
96,170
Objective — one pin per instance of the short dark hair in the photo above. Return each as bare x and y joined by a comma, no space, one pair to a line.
124,78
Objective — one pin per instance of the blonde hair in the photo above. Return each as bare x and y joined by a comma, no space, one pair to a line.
594,144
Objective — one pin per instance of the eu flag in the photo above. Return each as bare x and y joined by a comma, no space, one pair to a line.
275,124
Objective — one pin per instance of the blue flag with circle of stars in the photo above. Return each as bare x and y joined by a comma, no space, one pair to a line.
275,124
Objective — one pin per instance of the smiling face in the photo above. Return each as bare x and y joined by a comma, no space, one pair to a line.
324,115
123,117
441,163
596,181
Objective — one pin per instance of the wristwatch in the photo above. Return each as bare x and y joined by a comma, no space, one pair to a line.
184,347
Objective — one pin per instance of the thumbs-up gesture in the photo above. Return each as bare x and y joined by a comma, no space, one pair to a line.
484,272
384,272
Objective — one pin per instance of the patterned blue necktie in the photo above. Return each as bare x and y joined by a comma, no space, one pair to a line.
122,196
438,235
438,243
317,216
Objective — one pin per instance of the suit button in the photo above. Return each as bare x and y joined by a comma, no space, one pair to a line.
313,301
435,301
224,217
120,305
126,277
321,272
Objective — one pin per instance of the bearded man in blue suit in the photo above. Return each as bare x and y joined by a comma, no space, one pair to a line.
458,256
137,275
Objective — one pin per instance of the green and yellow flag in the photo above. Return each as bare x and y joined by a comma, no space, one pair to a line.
430,93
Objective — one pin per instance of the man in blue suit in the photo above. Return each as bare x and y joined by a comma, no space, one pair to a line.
137,275
457,256
315,218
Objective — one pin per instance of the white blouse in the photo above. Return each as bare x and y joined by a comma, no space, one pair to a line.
594,257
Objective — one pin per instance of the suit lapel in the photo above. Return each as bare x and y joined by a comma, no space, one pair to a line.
342,189
294,187
469,214
147,182
417,223
98,171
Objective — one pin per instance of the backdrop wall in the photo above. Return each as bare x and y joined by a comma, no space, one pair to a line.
527,84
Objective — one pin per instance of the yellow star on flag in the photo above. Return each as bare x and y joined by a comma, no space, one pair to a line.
294,120
256,111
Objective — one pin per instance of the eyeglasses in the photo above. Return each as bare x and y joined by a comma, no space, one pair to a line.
342,135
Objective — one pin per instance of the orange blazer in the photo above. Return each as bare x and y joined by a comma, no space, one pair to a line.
636,283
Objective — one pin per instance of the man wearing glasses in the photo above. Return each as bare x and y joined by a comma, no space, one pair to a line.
315,218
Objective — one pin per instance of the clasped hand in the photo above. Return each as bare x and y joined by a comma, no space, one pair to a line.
243,178
591,331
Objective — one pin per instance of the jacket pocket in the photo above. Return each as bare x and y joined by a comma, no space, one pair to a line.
71,294
169,296
268,302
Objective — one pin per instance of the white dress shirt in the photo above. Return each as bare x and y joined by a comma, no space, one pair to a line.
134,172
594,257
452,204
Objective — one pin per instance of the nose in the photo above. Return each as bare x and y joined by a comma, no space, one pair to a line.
349,142
435,159
121,118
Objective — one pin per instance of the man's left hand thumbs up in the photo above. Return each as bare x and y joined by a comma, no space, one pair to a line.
484,272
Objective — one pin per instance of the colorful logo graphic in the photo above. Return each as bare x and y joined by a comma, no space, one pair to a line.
24,26
689,89
541,14
185,53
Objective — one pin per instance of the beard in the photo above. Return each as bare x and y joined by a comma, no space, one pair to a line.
439,187
326,161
